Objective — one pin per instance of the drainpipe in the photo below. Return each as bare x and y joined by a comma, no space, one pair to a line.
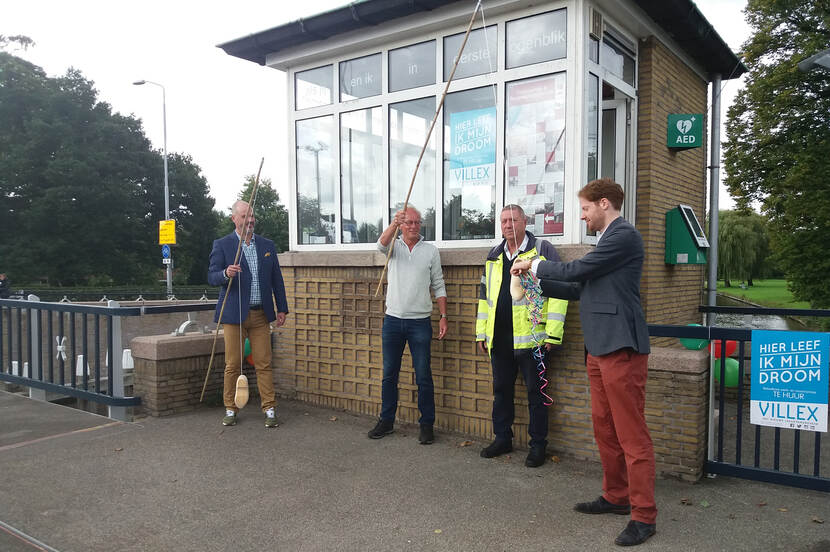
714,187
712,280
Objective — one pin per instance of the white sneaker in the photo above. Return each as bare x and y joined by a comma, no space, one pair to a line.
230,418
270,418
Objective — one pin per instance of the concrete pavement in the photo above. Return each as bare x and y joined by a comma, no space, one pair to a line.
75,481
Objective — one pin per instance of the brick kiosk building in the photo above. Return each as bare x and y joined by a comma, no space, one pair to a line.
546,97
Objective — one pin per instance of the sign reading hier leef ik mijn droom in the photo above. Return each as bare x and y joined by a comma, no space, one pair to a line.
789,379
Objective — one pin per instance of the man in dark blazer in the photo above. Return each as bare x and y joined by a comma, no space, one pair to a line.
606,281
249,309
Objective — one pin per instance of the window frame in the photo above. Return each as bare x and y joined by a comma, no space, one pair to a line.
575,66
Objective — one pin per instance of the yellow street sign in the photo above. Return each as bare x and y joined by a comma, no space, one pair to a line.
167,232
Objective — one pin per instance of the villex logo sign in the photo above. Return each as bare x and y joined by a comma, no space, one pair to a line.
685,131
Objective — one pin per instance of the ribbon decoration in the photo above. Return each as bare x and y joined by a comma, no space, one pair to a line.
251,203
426,141
535,306
61,347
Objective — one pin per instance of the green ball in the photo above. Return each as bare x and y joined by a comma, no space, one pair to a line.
693,344
730,371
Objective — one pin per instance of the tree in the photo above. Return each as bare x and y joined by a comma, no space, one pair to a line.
743,246
23,42
81,189
778,133
271,215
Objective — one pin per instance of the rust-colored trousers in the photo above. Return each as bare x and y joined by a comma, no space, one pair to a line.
618,396
258,331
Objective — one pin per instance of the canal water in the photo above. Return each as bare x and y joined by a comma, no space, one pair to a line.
753,321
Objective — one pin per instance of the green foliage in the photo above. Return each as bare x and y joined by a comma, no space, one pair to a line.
779,137
81,189
743,246
771,293
271,215
23,42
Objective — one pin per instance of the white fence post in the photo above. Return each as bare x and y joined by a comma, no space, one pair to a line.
116,357
34,362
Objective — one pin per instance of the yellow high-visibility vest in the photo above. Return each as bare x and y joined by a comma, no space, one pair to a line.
552,326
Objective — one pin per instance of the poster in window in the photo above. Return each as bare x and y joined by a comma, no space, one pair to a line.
473,158
535,151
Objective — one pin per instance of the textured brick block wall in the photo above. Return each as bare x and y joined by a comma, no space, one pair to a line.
666,178
329,354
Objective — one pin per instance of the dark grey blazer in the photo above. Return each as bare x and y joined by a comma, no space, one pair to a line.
606,282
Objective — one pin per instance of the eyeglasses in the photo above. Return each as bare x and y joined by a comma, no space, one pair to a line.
412,223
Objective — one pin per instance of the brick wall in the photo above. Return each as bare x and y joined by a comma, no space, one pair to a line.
170,371
665,178
329,354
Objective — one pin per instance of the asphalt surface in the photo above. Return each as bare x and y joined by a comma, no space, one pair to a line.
74,481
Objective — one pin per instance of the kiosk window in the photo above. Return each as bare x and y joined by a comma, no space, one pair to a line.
412,66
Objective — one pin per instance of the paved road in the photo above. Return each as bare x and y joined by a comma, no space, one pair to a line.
79,482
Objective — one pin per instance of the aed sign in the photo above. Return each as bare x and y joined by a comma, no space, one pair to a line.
789,379
685,131
167,232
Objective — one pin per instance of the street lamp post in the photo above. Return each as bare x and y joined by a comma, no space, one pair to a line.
166,189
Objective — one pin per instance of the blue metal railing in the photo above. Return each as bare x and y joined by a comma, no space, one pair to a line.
26,360
717,462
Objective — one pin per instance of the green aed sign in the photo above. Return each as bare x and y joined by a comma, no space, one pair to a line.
685,131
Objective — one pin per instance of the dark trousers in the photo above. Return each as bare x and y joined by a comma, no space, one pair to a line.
397,332
506,363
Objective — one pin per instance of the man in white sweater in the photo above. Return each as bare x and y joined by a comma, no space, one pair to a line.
414,271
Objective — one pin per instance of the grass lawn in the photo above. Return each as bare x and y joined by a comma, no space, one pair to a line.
768,293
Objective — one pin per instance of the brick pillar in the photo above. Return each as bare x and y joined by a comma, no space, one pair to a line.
170,371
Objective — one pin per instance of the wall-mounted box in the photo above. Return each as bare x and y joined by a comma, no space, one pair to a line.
686,242
685,131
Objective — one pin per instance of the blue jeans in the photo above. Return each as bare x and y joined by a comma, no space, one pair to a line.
397,332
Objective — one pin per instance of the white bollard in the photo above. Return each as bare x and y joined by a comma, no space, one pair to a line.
127,360
79,366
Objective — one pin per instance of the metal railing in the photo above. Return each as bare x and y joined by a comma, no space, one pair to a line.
772,449
37,338
102,294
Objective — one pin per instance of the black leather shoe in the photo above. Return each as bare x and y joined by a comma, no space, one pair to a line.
636,532
602,506
535,458
497,448
426,436
382,428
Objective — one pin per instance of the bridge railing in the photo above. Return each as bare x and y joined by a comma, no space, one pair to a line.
72,350
736,447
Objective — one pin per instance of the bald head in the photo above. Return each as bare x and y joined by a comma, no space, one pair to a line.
243,218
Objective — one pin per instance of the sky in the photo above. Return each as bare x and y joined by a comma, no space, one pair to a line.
227,113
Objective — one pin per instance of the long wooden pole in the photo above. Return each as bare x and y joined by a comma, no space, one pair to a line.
426,142
251,202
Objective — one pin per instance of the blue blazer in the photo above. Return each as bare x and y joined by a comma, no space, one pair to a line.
270,279
606,282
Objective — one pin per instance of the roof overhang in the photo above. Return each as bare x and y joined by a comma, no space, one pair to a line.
680,19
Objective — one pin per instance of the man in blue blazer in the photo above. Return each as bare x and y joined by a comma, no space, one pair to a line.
249,285
606,282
